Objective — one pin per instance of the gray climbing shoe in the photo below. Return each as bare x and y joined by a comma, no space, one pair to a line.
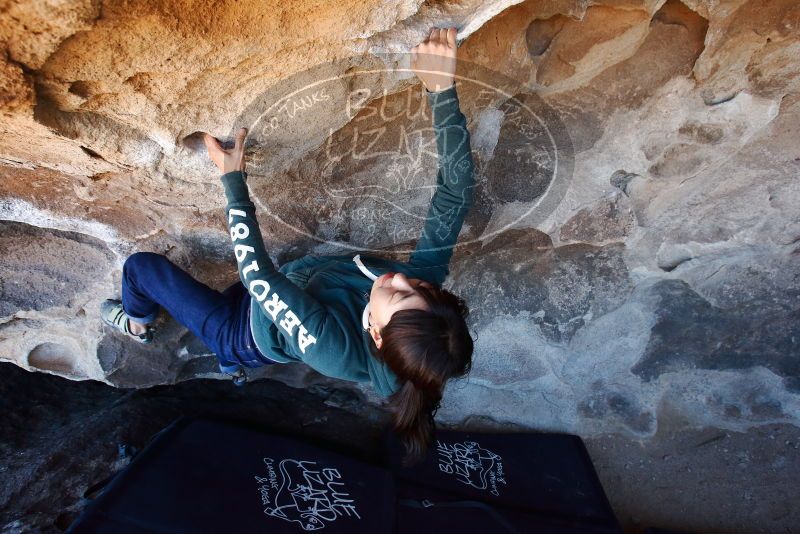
113,315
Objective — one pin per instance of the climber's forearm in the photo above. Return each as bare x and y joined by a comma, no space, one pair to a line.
455,180
454,186
297,313
256,269
240,215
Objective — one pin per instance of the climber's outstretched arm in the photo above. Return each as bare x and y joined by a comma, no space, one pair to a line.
307,325
434,62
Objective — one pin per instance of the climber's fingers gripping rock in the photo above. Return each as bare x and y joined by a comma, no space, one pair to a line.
227,160
434,59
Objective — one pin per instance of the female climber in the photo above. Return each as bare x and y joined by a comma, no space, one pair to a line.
361,318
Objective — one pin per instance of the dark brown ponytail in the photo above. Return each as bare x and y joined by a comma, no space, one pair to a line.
424,349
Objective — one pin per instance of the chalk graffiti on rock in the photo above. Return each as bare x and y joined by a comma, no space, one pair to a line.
289,108
366,147
305,493
471,464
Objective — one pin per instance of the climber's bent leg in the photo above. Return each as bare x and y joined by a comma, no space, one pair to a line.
150,280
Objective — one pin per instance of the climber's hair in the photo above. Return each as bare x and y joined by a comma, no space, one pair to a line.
424,349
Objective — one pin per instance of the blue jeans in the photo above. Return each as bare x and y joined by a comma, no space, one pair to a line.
221,320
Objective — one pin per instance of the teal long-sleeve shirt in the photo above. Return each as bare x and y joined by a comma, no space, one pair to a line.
312,309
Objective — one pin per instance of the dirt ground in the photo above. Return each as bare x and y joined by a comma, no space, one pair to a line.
704,480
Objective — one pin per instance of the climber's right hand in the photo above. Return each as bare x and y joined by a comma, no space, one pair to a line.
227,160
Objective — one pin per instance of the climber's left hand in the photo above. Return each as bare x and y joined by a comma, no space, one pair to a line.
227,160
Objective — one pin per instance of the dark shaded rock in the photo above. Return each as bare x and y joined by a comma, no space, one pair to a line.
519,271
691,333
174,354
42,268
532,143
337,397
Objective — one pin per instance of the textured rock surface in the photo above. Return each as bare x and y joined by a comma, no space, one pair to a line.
632,257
